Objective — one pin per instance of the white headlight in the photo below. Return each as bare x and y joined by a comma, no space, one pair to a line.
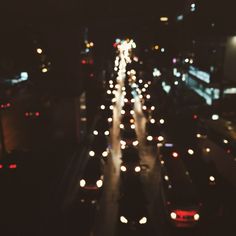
105,154
111,107
122,126
95,132
160,138
82,183
122,142
122,112
152,108
92,153
173,215
152,121
137,169
162,121
215,117
132,126
143,221
144,108
123,168
132,112
135,143
148,96
166,177
212,178
190,151
208,149
149,138
196,217
132,100
198,135
123,220
99,183
102,107
109,119
106,132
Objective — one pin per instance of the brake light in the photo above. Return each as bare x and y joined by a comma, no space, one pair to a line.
12,166
37,113
1,166
83,62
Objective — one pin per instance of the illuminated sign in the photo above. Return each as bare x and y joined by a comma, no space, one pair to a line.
202,75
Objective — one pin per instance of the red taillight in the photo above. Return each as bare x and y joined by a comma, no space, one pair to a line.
195,117
37,113
90,62
228,151
1,166
83,62
12,166
27,114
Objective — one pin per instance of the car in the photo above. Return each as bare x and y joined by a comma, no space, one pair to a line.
99,147
127,121
128,108
133,215
148,108
101,128
153,133
91,181
128,138
130,162
181,200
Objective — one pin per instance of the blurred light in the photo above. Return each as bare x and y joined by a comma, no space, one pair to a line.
82,183
135,143
212,178
123,220
143,221
149,138
105,154
190,151
196,217
162,121
166,177
176,82
44,70
160,138
123,168
137,169
109,119
208,149
225,141
122,126
215,117
39,50
95,132
132,126
156,47
102,107
106,132
163,19
175,154
92,153
152,121
163,50
99,183
173,215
